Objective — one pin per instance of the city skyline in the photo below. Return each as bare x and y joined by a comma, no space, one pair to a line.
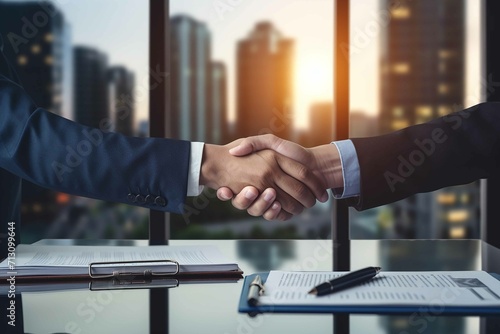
128,45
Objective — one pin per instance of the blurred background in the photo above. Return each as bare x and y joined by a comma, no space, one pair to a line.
241,68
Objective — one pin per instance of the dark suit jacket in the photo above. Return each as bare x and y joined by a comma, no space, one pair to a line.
455,149
56,153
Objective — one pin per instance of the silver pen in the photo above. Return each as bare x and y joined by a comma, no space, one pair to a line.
256,289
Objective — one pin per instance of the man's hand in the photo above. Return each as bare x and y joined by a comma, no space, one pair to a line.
324,161
292,183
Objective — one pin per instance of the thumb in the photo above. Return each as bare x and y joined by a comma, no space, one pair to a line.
254,144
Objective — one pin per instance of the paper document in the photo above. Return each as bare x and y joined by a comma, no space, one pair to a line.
446,288
47,260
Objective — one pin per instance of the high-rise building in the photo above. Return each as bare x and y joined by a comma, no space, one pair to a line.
320,124
36,38
36,43
91,91
217,128
423,77
190,78
121,97
264,83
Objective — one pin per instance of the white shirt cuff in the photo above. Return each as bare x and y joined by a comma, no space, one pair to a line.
350,168
193,185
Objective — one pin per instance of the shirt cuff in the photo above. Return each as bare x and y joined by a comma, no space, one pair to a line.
193,185
350,169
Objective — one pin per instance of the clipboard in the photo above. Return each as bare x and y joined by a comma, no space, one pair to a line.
141,262
244,307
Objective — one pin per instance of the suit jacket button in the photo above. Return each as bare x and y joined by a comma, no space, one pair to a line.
140,199
150,199
160,201
131,197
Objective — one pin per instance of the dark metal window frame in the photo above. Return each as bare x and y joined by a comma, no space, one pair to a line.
159,112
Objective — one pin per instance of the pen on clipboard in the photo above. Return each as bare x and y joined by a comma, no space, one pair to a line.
256,289
345,281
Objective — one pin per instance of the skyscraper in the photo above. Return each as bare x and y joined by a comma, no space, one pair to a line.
36,37
121,90
423,77
217,125
264,83
190,78
321,124
91,92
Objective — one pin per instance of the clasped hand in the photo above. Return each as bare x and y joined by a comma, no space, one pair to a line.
269,176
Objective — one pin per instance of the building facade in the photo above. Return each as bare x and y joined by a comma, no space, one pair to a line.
91,91
422,78
121,97
264,83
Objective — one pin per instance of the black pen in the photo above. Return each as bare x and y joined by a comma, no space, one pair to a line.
345,281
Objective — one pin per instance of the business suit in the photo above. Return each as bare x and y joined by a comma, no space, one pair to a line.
56,153
455,149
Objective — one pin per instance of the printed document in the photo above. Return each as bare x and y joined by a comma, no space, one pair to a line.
443,288
48,260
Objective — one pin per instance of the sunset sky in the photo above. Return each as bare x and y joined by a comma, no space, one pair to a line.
120,28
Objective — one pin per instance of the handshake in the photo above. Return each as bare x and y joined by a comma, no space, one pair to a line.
269,176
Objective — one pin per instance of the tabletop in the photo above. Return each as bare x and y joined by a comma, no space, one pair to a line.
212,307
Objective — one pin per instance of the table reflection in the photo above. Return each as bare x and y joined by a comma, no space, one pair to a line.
212,307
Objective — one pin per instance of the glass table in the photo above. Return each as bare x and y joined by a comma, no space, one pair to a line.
212,307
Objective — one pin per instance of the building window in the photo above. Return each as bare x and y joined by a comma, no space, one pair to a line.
49,37
457,216
424,112
22,60
399,124
398,111
446,198
35,49
457,233
445,54
401,13
49,60
443,89
444,110
401,68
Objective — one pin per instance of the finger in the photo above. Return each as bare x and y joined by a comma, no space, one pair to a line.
263,203
306,178
283,216
288,202
224,194
273,212
245,198
256,143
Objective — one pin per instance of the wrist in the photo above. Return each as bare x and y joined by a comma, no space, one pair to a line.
327,163
211,165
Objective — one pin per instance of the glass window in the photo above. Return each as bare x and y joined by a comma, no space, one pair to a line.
86,61
415,61
243,68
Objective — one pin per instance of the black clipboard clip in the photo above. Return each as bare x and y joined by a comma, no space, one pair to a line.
146,273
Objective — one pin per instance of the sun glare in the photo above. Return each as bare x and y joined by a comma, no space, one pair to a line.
314,78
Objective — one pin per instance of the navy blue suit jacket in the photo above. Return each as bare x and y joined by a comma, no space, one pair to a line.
59,154
458,148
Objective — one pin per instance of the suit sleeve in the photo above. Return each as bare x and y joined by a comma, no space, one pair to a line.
455,149
56,153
